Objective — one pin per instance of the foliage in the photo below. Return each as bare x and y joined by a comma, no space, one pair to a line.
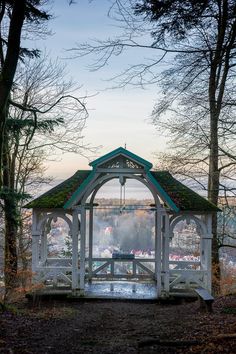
176,17
15,16
67,251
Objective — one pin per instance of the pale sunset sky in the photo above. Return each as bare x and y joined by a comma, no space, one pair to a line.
116,116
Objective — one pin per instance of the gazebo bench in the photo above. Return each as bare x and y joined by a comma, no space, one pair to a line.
206,299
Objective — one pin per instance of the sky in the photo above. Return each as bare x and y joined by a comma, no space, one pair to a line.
116,117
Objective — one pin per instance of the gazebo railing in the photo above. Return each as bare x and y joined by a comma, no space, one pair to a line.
112,268
187,278
181,273
56,270
184,265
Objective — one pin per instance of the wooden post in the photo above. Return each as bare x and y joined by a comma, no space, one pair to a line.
165,252
202,253
35,250
44,246
158,250
82,249
90,242
35,245
75,230
162,250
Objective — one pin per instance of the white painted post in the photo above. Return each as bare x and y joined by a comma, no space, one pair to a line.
162,250
35,250
35,245
165,253
158,250
202,253
90,242
75,231
82,249
44,246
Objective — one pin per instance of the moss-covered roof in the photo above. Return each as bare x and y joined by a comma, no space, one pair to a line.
183,197
58,196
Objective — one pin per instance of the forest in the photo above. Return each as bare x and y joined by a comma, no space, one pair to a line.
181,53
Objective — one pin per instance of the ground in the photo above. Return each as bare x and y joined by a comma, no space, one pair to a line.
60,326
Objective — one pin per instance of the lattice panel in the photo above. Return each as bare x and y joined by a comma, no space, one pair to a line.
121,162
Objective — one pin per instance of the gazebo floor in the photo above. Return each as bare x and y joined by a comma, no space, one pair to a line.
121,290
115,290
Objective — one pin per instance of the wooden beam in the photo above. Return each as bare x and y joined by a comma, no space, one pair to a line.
82,249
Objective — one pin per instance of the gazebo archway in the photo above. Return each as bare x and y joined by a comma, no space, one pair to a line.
74,200
108,264
90,194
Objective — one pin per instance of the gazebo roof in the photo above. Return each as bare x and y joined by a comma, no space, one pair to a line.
181,196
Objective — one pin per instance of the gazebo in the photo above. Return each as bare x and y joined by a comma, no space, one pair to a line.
73,201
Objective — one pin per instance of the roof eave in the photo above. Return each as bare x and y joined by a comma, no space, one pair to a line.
166,198
75,196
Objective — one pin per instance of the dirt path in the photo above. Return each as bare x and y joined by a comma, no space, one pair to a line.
116,327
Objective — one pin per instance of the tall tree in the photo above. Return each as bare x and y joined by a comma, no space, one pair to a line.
13,14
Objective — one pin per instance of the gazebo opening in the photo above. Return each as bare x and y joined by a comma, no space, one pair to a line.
185,242
59,241
123,230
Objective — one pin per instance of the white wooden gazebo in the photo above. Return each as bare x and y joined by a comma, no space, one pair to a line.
73,201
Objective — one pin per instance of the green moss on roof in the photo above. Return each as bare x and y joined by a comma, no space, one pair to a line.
58,196
183,197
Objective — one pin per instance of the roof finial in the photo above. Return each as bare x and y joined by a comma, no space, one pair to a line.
125,146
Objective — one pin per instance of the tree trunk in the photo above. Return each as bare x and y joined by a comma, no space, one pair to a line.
23,263
9,67
213,192
11,223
